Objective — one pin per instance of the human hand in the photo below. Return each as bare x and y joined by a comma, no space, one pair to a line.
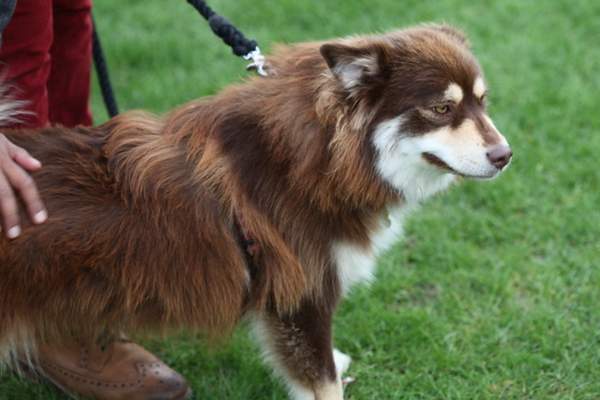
14,164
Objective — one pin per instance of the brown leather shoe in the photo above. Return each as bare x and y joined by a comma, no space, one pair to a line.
117,371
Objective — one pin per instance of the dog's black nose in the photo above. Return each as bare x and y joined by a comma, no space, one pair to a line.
499,156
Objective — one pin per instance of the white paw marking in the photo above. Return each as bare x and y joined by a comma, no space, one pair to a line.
342,362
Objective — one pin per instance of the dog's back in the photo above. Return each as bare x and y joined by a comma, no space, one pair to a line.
122,246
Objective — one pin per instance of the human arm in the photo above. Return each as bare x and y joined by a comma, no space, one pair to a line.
15,165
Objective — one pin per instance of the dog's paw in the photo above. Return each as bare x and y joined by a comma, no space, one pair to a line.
342,362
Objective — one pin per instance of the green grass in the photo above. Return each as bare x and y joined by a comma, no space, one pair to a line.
495,291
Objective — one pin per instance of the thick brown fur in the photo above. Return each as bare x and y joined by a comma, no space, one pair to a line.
141,231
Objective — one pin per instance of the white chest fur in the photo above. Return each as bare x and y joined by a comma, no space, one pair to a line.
356,264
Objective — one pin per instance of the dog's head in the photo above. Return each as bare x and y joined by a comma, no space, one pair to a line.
426,96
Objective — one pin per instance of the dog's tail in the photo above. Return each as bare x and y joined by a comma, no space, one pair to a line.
11,110
17,346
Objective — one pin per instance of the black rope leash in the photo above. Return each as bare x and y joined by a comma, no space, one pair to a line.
240,45
231,36
7,8
110,102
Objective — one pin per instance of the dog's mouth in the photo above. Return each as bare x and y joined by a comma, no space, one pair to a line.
441,164
438,162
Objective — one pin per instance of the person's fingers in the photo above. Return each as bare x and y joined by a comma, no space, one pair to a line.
22,157
22,182
8,208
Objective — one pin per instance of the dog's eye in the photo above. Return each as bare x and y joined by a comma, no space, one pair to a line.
441,109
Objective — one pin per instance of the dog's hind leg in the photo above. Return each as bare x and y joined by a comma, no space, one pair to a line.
17,347
299,347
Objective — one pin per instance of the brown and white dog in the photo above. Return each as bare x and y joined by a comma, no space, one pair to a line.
317,163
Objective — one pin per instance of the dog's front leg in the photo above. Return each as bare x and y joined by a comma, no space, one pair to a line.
299,346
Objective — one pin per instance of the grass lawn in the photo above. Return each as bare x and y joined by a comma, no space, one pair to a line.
495,291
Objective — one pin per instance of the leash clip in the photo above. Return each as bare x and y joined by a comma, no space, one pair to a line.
258,61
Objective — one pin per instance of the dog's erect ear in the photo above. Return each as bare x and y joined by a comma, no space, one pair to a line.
354,66
453,32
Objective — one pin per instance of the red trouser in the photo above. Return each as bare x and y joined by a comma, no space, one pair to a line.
47,54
